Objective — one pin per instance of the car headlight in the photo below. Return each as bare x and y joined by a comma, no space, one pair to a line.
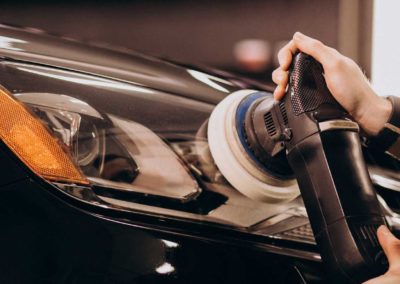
65,140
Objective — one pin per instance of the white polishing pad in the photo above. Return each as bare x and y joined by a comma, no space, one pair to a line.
232,160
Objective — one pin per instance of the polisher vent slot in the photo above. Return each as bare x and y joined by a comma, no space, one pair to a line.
269,124
283,112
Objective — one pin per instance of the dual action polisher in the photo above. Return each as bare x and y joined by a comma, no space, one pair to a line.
268,150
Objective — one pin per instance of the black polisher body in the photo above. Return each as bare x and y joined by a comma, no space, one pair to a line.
323,148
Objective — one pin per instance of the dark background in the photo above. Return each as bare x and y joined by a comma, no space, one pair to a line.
201,32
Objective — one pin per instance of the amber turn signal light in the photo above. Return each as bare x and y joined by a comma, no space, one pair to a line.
32,142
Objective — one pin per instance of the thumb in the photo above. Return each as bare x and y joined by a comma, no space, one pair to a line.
391,246
313,47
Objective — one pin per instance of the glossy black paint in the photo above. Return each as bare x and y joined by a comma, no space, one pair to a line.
49,237
122,65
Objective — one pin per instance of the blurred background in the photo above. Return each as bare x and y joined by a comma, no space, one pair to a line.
240,36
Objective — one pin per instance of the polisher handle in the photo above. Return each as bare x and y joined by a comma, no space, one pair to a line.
325,155
308,90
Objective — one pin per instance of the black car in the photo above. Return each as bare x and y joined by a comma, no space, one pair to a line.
106,175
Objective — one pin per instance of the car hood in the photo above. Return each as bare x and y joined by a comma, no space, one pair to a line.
38,47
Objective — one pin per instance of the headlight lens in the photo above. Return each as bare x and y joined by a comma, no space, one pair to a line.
108,151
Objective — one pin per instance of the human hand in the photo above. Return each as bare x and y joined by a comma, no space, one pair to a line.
391,247
344,79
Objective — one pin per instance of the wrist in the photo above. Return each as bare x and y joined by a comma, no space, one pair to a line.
377,112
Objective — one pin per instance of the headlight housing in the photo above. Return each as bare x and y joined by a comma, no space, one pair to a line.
61,137
108,151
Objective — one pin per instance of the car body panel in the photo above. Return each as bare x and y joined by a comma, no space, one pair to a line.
52,237
120,65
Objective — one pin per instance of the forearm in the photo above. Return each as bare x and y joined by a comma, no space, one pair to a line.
373,114
386,122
